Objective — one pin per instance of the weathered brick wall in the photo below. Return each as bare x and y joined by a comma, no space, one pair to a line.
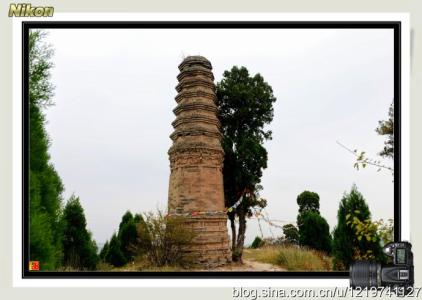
196,161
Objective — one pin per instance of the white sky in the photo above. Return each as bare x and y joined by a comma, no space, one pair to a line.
114,97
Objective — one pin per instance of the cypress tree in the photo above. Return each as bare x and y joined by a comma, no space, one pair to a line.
346,246
104,251
79,249
45,186
314,232
128,235
114,254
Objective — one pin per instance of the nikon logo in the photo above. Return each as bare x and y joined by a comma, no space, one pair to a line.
26,10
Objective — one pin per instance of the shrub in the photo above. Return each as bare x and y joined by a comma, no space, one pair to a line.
257,243
291,234
314,232
164,238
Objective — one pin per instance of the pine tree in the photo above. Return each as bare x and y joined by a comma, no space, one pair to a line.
104,251
128,235
346,245
114,254
45,186
79,249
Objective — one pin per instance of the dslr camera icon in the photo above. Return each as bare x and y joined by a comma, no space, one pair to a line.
398,274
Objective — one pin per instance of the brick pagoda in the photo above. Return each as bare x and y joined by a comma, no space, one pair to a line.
196,161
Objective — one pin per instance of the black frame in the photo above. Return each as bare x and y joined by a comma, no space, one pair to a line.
27,25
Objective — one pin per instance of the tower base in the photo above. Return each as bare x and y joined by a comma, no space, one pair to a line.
210,247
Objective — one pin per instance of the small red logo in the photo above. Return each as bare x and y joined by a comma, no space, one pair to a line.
34,265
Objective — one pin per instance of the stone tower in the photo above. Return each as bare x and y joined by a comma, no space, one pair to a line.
196,160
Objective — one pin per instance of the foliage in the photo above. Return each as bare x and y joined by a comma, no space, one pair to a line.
257,243
127,235
103,253
385,231
362,161
245,106
353,214
164,238
314,232
79,249
45,185
308,201
114,255
40,64
123,246
387,128
377,231
291,233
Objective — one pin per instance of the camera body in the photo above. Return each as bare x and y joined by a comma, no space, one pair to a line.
397,274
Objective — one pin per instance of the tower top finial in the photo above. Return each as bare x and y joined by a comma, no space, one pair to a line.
195,60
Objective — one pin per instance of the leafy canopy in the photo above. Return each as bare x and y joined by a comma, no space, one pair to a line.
245,105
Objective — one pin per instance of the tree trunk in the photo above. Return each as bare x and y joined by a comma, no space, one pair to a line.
237,250
233,228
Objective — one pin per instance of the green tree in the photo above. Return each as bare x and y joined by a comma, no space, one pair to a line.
104,251
346,244
128,235
291,233
245,106
45,185
314,232
387,128
114,254
307,201
79,249
257,243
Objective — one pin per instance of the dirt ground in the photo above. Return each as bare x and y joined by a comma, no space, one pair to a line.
249,265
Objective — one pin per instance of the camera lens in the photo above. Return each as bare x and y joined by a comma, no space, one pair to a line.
365,274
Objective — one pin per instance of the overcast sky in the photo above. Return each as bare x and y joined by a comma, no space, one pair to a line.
114,97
